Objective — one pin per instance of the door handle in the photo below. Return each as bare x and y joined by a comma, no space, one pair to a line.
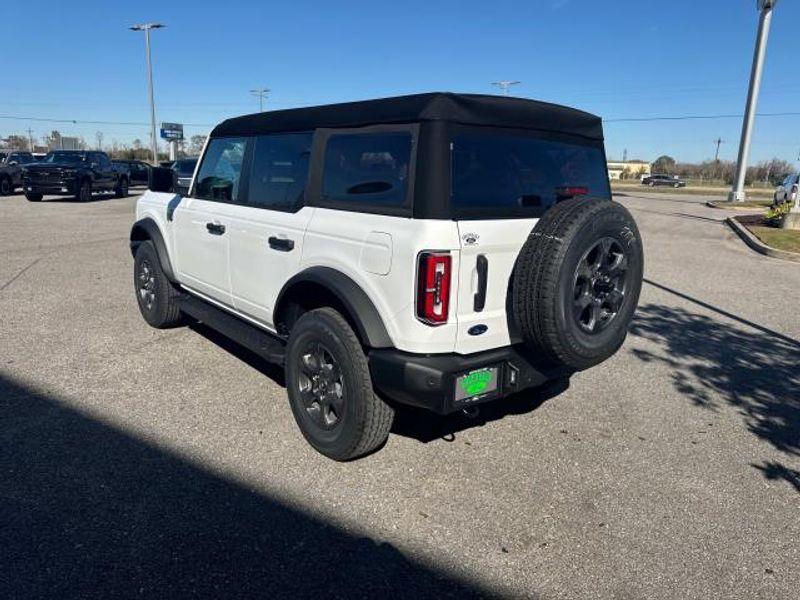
281,244
479,300
215,228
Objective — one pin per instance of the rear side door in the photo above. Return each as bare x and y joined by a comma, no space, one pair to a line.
202,233
267,228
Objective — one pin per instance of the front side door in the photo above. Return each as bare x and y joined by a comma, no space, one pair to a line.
202,229
268,227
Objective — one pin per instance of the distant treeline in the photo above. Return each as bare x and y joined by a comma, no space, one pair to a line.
765,173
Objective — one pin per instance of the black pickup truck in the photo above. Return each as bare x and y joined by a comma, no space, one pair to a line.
77,173
11,170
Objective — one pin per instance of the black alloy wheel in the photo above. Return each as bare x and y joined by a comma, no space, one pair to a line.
321,386
600,281
146,287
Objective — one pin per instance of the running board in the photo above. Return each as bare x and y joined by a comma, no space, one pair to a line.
266,345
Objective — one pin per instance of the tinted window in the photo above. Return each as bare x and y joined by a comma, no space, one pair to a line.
221,170
185,166
369,168
64,157
510,175
280,170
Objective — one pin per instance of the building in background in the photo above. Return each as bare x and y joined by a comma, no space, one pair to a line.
632,169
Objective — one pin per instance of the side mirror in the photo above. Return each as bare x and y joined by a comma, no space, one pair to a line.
159,179
13,162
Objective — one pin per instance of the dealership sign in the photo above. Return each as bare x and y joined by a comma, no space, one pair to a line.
172,131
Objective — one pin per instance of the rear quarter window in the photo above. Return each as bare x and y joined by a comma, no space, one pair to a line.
501,175
368,169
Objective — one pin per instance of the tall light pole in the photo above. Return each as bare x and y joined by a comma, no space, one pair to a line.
766,7
146,27
504,84
261,93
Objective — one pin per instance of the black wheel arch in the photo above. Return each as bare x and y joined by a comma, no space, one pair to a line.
147,229
320,286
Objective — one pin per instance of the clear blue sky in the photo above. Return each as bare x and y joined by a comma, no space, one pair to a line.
636,58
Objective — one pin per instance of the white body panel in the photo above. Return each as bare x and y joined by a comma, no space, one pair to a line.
500,242
241,272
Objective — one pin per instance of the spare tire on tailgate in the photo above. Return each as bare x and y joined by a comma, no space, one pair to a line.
577,280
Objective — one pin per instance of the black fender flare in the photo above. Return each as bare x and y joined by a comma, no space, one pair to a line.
147,229
362,312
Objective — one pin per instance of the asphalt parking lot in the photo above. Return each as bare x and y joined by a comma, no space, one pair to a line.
144,463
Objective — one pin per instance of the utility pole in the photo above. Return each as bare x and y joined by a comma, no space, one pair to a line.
766,7
625,155
504,84
30,138
717,141
146,27
260,93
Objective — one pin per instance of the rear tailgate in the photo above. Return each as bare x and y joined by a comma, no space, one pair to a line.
498,242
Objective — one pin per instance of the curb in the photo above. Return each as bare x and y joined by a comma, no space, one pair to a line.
759,246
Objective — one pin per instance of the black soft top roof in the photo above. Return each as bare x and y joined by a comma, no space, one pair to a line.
467,109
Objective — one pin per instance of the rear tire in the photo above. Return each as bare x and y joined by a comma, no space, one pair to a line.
30,197
577,282
330,388
155,295
121,190
6,187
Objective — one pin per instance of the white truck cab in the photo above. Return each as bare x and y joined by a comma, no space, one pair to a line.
438,250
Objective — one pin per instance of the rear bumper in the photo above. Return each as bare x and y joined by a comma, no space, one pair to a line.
65,187
429,381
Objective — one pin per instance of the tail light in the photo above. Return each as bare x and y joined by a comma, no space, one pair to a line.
570,191
433,287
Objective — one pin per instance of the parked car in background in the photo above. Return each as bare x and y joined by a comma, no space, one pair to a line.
11,165
77,173
787,190
182,171
668,180
139,170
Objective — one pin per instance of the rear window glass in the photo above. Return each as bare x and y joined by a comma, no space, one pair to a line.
369,168
506,175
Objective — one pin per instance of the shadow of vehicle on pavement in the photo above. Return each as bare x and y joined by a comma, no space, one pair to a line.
419,424
90,511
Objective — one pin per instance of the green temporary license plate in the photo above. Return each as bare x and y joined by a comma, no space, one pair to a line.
475,384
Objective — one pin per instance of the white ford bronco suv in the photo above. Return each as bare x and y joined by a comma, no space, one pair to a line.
438,250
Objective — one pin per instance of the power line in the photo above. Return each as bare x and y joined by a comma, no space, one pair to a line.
696,117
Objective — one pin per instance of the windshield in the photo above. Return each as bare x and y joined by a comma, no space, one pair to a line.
185,167
72,158
502,175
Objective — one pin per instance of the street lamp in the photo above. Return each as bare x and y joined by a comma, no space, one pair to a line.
261,93
146,27
505,84
766,7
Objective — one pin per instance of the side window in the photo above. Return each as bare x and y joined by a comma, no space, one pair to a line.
367,168
221,170
102,160
280,170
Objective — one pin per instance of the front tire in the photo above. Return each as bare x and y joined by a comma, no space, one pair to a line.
155,295
330,388
84,191
30,197
6,187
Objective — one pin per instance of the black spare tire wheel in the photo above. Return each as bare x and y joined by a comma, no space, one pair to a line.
577,280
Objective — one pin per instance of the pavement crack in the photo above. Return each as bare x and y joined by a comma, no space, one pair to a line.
18,275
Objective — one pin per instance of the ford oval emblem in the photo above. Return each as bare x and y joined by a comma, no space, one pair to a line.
470,239
477,329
